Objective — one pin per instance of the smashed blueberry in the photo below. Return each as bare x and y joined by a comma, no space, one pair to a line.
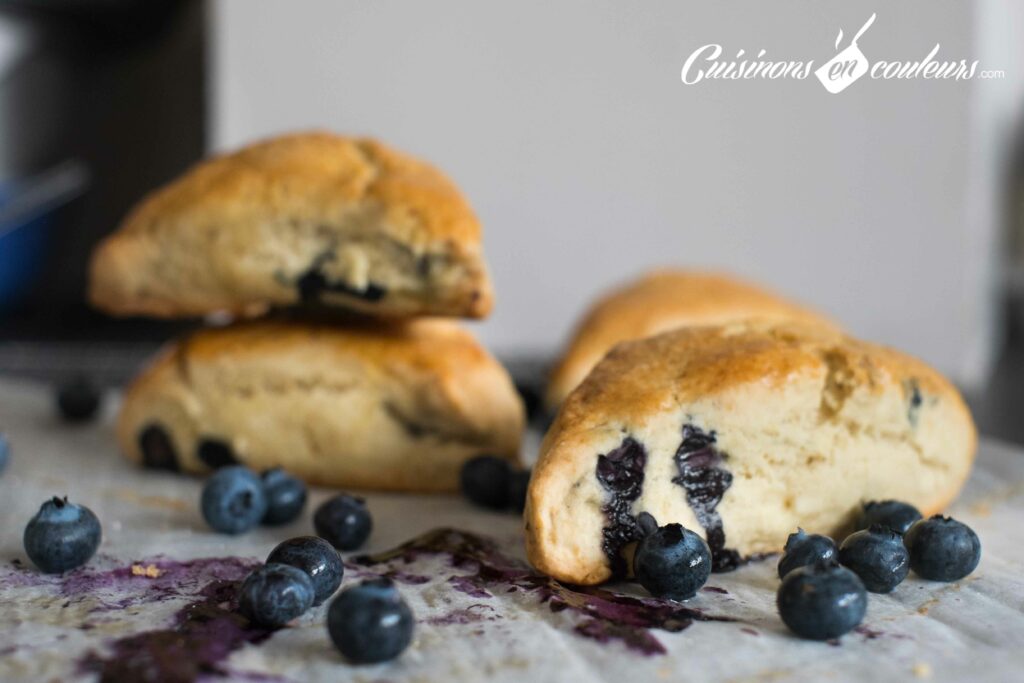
370,622
621,473
877,556
286,496
803,549
317,558
233,500
891,513
5,452
274,594
942,549
672,562
61,536
343,521
158,452
78,400
821,601
518,484
485,481
705,480
215,454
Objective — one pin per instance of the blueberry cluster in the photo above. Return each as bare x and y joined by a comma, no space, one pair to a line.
493,483
61,536
235,499
824,589
368,622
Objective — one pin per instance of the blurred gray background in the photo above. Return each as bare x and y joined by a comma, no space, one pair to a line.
568,127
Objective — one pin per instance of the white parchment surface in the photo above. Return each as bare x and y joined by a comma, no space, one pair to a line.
970,630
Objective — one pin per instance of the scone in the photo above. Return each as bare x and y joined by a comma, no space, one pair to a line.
339,222
657,302
370,405
743,433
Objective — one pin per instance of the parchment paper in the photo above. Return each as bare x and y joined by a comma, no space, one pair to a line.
971,630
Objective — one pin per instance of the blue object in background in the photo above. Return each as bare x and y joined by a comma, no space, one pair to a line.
26,210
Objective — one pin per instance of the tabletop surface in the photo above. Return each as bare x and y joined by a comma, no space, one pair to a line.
155,601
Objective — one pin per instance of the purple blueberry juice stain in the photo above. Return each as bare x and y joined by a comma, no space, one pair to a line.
621,473
715,589
608,616
705,480
469,615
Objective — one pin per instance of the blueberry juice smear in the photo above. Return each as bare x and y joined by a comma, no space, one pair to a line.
705,480
621,473
606,616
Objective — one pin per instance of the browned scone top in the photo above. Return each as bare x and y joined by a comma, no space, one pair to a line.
786,424
659,301
371,405
344,222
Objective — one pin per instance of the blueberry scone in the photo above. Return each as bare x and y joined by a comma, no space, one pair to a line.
371,405
657,302
742,432
304,218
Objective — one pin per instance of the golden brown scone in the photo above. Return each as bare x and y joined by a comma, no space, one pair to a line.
312,217
660,301
389,406
743,433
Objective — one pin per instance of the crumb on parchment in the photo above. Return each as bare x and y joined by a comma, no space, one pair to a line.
150,571
922,670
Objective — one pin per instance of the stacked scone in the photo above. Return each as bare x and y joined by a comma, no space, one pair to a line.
341,259
740,430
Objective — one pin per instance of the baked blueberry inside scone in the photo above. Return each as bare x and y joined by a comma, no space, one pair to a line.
741,433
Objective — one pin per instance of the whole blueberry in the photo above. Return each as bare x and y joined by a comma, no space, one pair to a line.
5,452
877,556
370,622
286,496
78,400
274,594
672,562
942,549
317,558
803,549
518,483
485,481
62,536
821,601
233,500
343,521
891,513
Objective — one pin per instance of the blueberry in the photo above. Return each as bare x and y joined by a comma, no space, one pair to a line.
672,562
942,549
370,622
891,513
485,481
78,400
62,536
317,558
518,483
803,549
5,452
274,594
821,601
286,496
343,521
532,402
877,556
233,500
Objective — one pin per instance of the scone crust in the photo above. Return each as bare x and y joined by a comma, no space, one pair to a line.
659,301
395,406
237,233
715,374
